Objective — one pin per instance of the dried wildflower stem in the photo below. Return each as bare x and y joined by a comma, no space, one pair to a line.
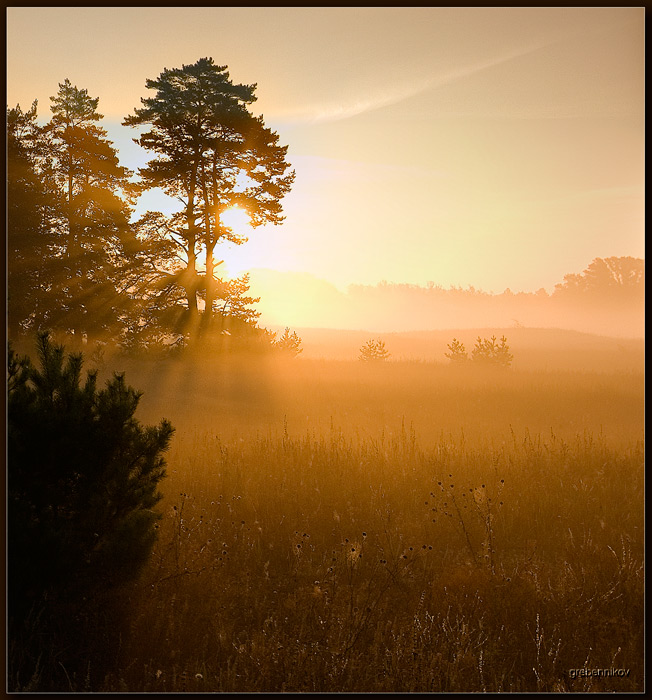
490,542
466,533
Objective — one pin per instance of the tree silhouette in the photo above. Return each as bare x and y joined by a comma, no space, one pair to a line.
373,351
95,240
31,249
82,480
490,353
211,154
457,354
72,252
289,343
605,278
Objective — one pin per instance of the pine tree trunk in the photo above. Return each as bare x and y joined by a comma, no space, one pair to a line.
211,287
191,289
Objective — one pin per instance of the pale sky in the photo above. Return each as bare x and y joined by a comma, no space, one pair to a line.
493,147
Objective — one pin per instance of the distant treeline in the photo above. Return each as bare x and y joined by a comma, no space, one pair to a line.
607,298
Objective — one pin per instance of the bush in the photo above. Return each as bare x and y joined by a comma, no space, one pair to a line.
82,480
373,351
457,354
488,352
289,343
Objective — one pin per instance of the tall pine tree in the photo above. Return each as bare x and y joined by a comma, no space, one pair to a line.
211,154
31,245
97,246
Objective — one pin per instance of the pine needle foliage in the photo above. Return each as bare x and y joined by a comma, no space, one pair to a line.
289,343
82,479
486,353
374,351
490,352
457,354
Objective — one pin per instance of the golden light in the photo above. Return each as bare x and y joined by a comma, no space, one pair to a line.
238,221
237,254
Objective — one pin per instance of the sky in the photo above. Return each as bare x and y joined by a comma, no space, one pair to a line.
487,147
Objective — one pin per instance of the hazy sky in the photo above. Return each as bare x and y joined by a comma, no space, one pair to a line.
491,147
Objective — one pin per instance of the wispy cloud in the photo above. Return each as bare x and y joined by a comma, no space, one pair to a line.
399,93
328,113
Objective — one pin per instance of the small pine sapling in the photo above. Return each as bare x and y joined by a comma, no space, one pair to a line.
457,354
289,343
373,351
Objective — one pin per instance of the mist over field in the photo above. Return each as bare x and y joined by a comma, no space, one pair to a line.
322,515
612,306
465,516
534,348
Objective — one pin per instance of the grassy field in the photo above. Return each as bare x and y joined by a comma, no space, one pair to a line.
330,526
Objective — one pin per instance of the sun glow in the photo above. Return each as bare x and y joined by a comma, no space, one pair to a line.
237,255
237,220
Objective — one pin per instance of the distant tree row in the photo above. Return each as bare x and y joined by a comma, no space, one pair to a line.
615,277
79,264
608,297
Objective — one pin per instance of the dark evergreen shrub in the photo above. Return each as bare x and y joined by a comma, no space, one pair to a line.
82,481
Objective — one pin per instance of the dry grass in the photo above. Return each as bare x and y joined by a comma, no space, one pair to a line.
403,528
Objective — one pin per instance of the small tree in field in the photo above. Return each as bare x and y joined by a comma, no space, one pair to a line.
289,343
373,351
457,354
82,480
490,353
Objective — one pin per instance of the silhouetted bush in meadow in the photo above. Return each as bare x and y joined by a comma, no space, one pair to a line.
82,487
374,351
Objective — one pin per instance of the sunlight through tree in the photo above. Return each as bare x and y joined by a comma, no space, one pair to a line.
212,154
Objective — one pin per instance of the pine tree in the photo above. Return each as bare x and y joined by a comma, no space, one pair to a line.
82,480
211,154
489,353
457,354
96,243
31,244
289,343
373,351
